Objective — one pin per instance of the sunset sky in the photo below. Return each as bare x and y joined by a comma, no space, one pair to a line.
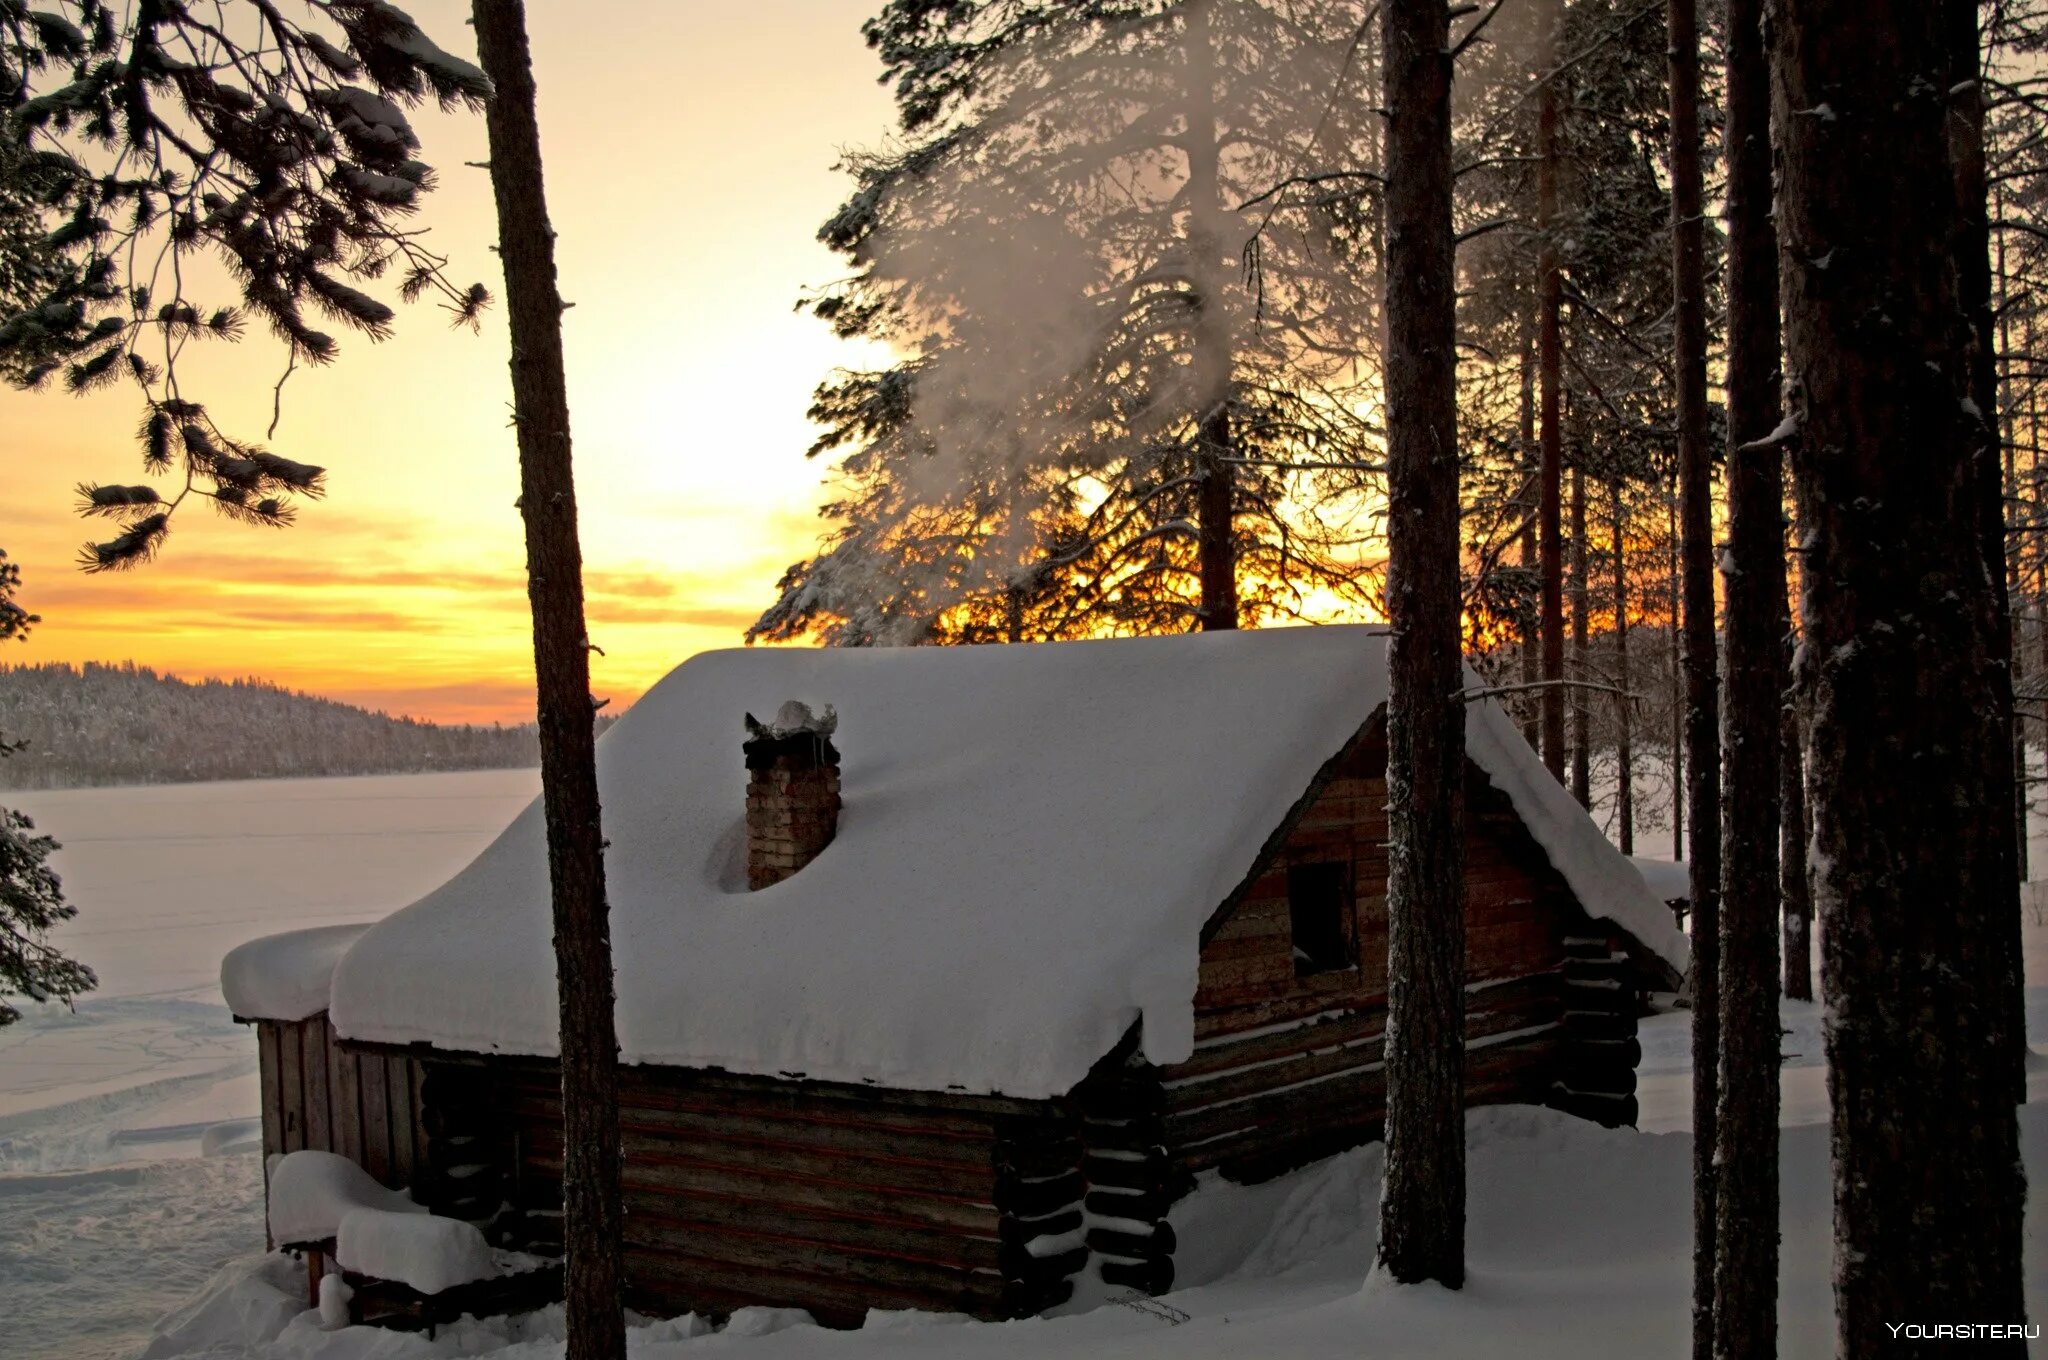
689,147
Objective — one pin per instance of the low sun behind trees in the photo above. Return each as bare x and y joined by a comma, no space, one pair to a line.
1120,254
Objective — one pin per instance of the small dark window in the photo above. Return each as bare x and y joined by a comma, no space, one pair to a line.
1317,902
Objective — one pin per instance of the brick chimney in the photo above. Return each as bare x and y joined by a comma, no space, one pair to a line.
792,791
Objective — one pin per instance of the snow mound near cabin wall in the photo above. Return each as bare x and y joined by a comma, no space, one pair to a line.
312,1192
1031,841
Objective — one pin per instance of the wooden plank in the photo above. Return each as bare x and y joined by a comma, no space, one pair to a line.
319,1121
835,1230
964,1183
898,1139
957,1109
422,1154
1354,1099
374,1088
399,1109
769,1187
291,1084
1271,1076
754,1250
1259,1012
344,1098
269,1044
1304,1038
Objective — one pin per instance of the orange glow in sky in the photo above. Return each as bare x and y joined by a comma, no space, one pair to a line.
688,150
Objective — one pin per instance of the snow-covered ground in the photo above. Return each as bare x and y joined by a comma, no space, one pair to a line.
109,1213
118,1238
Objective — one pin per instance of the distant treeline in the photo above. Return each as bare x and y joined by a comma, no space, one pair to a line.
126,724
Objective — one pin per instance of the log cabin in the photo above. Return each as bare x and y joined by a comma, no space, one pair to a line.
953,1020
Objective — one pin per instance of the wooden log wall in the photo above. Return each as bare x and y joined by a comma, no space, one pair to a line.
832,1198
317,1094
1132,1179
1596,1077
1288,1068
1039,1192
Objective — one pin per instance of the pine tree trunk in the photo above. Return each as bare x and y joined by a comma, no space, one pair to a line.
1216,541
1745,1313
591,1224
1973,283
1702,718
1582,716
1550,385
1624,712
1532,702
1677,660
1422,1210
1910,820
1792,833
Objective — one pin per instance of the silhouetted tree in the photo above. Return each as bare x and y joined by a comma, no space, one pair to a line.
138,137
31,897
592,1217
1422,1213
1909,816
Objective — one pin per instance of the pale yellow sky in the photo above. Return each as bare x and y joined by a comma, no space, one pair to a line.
689,147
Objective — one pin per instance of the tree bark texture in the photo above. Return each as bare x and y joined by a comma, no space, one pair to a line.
1702,717
1909,819
1745,1313
1422,1211
1624,713
1582,713
1531,706
1216,541
1550,385
591,1228
1677,659
1794,827
1973,283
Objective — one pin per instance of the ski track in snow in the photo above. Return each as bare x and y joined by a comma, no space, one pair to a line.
118,1239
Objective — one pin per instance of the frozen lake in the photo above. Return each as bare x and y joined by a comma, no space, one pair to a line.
106,1217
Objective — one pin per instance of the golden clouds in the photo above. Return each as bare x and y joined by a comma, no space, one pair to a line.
689,375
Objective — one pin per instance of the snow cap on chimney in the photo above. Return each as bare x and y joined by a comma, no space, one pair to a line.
792,791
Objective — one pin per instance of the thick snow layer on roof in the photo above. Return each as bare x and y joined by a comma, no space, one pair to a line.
311,1192
1031,840
1601,877
1669,880
285,977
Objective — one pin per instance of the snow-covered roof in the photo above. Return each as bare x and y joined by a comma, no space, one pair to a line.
1031,841
1668,880
285,977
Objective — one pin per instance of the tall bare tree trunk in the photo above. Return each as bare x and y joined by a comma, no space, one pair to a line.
1532,629
1422,1211
1624,711
1745,1316
1973,283
2015,588
1677,660
1582,717
1910,818
1216,539
1794,828
1550,380
1702,715
591,1222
